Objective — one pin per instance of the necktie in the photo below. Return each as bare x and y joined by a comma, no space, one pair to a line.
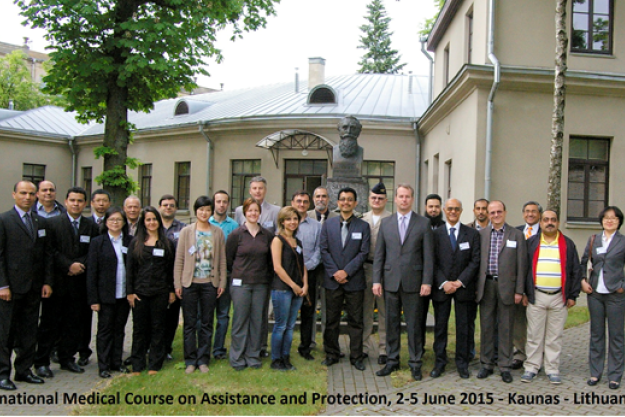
402,229
75,223
452,238
529,233
323,219
29,225
99,220
344,233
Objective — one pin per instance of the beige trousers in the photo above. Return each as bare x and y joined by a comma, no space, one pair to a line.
545,325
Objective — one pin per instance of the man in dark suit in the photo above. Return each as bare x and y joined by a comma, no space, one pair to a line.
501,283
68,310
25,277
531,214
403,268
456,264
344,244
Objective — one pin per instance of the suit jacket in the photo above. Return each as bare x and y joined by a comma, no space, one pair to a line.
350,258
512,263
184,265
573,283
330,214
102,271
69,248
25,262
612,262
410,263
462,265
368,217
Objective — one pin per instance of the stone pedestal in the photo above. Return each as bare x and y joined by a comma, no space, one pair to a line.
359,184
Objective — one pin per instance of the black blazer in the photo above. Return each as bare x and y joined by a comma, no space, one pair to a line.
68,248
573,270
25,262
463,264
102,271
350,258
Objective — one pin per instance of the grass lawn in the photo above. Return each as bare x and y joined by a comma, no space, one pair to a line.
310,377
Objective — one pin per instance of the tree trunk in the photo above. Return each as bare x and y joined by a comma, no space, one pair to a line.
116,136
554,190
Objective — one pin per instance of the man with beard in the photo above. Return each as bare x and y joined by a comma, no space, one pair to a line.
348,149
480,211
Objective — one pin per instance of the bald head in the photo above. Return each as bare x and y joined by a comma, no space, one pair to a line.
453,210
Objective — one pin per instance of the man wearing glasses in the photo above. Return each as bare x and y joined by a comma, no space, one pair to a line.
501,283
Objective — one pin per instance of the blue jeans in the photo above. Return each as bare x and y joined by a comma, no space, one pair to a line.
285,307
222,310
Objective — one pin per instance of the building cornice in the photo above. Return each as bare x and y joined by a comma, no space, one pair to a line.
445,17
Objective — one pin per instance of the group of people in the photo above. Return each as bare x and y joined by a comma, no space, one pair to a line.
58,266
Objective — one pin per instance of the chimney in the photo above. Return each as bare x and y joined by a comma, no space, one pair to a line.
296,80
316,72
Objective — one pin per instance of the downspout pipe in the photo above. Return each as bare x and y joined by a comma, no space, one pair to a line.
209,145
418,170
72,148
491,98
424,40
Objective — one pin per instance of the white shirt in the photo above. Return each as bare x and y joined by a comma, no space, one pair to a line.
601,288
449,226
534,227
375,218
120,274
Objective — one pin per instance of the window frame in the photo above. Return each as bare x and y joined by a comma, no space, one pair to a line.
87,182
183,186
146,191
35,179
242,179
390,188
589,34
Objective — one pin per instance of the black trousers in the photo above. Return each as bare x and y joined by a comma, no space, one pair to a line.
423,317
308,312
49,329
171,324
198,300
148,319
411,304
353,307
86,321
112,320
18,328
465,311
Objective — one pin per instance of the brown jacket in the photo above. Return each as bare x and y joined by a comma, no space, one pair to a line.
185,261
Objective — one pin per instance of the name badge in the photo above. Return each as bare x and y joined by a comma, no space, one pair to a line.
176,235
356,236
268,225
511,243
124,250
41,232
600,250
158,252
464,246
85,239
298,249
236,282
192,250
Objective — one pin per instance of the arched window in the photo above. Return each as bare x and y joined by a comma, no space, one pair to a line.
322,94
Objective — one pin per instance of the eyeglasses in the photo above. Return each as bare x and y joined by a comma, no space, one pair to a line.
377,198
453,209
114,220
168,205
349,200
610,219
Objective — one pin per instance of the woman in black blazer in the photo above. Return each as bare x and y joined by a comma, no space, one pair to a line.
106,289
606,297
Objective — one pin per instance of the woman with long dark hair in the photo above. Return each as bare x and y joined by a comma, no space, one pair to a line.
106,289
150,289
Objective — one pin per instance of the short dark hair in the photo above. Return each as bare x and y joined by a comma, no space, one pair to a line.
167,197
77,190
301,192
481,199
221,192
100,191
617,212
112,210
347,190
433,197
202,201
534,203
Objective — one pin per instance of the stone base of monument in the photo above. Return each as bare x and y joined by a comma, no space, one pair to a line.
359,184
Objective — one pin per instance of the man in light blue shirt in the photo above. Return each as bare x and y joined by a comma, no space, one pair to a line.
46,205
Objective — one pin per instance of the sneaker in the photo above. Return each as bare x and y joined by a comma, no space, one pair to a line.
528,376
278,365
554,378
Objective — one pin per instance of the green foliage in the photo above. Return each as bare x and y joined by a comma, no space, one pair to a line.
117,177
426,27
379,57
16,84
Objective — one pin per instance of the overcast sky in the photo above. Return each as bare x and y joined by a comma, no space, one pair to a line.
301,29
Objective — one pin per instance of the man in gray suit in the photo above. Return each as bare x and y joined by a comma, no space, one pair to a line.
403,268
501,283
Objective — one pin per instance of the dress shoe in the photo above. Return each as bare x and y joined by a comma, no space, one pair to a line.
614,385
72,367
169,357
516,364
341,355
484,373
506,377
7,384
387,370
436,372
592,382
329,361
359,365
464,373
264,353
122,369
220,356
128,361
416,374
29,378
83,361
54,357
364,356
307,356
382,359
104,374
44,372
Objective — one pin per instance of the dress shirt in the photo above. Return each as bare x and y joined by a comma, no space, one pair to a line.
249,257
72,220
601,288
496,241
534,227
41,211
408,216
449,226
227,226
120,274
173,232
308,233
96,218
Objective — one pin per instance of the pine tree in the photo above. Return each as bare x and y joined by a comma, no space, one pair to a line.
380,58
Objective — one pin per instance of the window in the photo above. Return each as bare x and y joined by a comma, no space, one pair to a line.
446,66
381,171
243,170
303,174
183,184
33,173
447,189
592,24
589,163
87,182
322,95
145,178
469,35
435,168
